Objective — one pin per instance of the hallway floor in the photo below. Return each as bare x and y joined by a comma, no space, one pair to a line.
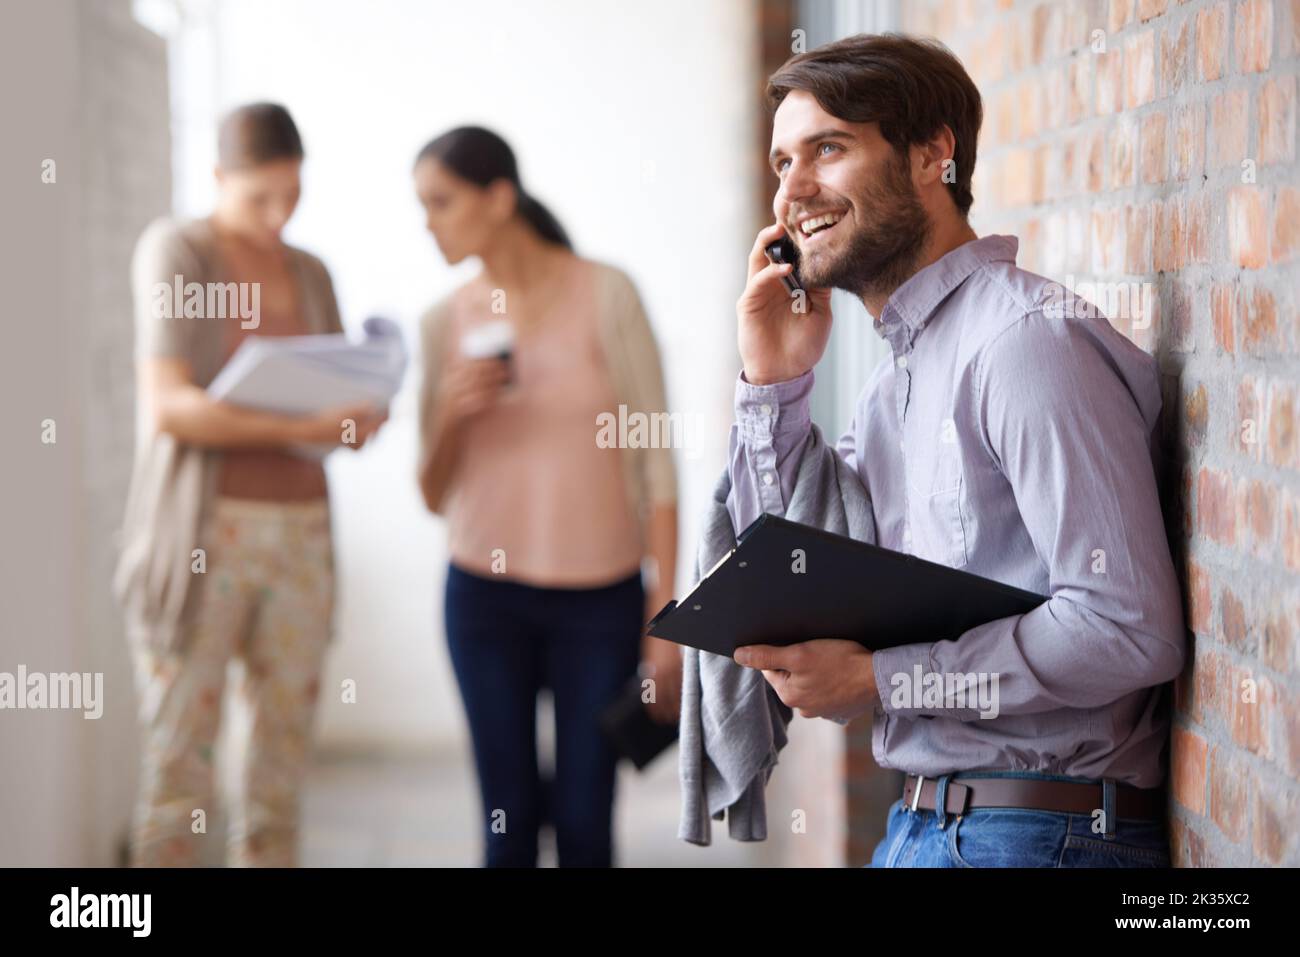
404,811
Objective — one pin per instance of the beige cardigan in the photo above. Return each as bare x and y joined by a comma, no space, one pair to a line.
635,371
172,483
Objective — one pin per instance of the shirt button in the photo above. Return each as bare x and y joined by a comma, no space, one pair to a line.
767,478
765,409
901,445
907,536
902,362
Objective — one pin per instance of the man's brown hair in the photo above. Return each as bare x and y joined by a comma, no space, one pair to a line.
911,87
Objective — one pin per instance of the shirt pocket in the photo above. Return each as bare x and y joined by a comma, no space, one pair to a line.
937,488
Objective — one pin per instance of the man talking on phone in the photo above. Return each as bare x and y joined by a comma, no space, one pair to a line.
1011,433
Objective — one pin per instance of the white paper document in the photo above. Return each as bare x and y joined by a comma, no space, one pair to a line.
302,375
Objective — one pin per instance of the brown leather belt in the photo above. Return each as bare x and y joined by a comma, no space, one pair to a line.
1070,797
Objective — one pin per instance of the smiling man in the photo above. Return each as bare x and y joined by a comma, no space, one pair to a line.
1004,436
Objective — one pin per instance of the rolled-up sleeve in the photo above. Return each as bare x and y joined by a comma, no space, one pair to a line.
1072,443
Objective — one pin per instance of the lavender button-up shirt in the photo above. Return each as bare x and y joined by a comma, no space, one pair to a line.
1012,437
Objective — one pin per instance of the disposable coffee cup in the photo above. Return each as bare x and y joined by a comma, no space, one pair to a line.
494,339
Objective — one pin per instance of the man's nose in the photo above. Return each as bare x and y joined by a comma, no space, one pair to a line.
798,184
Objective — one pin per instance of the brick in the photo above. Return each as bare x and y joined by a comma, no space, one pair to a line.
1253,36
1140,70
1188,140
1215,509
1176,303
1119,14
1175,59
1257,320
1291,530
1095,143
1196,231
1200,606
1229,788
1056,101
1251,697
1229,122
1196,414
1286,225
1150,9
1110,81
1279,646
1046,31
1137,238
1211,41
1257,514
1233,630
1078,102
1248,431
1285,734
1273,836
1123,150
1221,315
1166,218
1277,120
1280,449
1187,769
1186,848
1155,157
1247,227
1108,246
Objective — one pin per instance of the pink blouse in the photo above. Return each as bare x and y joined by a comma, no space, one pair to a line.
534,497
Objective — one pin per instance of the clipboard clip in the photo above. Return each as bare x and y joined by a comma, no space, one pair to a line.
663,612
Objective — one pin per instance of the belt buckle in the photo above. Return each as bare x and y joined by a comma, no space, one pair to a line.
916,795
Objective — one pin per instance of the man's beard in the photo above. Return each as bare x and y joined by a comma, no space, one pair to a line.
882,254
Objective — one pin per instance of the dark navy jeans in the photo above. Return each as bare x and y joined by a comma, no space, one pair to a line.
508,640
1015,837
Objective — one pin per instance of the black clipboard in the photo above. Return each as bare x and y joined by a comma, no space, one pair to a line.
847,589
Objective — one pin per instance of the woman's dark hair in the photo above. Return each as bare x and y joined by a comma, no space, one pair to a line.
481,157
255,134
910,86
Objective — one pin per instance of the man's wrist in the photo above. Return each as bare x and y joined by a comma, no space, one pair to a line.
763,378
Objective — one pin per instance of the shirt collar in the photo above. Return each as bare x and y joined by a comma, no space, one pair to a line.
915,301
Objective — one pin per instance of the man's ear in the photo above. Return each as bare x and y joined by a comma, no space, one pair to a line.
932,154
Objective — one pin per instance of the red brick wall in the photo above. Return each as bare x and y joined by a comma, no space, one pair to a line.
1170,159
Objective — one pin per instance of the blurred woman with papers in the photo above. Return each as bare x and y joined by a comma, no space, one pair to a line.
548,524
226,540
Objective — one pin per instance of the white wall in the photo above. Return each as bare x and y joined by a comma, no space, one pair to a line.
83,85
633,122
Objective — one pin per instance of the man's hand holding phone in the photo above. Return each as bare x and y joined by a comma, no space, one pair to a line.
778,341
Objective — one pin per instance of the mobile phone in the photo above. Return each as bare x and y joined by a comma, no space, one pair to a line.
785,251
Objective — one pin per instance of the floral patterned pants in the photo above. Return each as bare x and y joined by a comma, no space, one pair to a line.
267,598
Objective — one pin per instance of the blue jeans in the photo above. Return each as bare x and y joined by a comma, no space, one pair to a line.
508,640
1015,837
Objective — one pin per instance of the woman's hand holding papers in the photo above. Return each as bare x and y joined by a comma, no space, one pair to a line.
350,425
826,678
